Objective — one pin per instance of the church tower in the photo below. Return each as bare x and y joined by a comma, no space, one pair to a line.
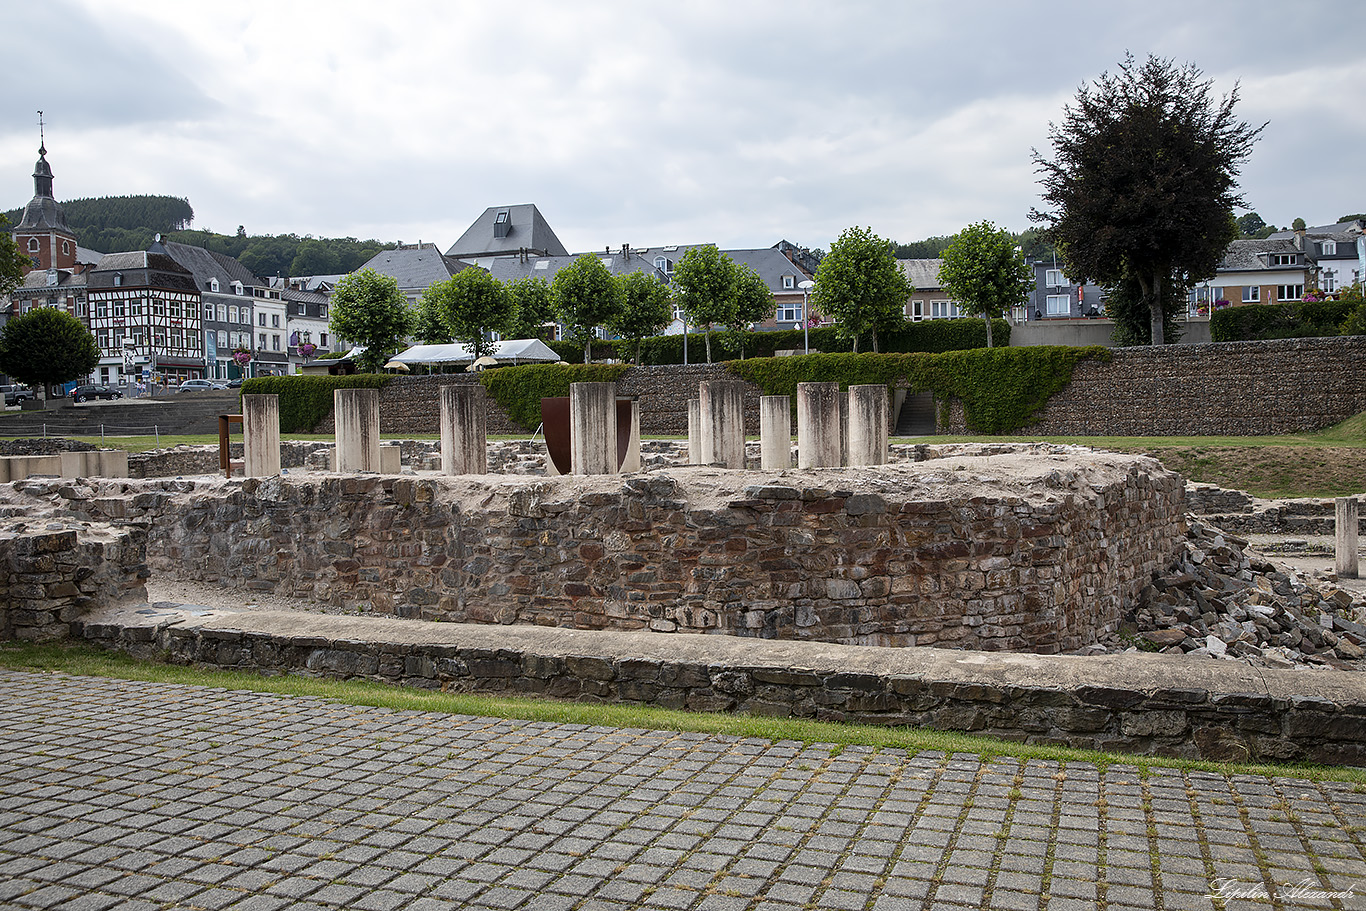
43,235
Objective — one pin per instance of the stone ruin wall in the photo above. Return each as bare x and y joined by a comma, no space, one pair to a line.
50,578
1050,570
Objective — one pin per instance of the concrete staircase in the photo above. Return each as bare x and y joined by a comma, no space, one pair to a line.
916,418
182,413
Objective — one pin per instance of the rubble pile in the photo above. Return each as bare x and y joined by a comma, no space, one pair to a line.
1220,601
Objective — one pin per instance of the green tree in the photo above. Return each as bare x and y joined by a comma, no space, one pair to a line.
314,257
1250,224
1353,217
472,304
1126,305
369,310
532,307
1144,180
429,322
13,263
646,309
861,285
985,272
751,302
1297,225
46,346
704,284
586,297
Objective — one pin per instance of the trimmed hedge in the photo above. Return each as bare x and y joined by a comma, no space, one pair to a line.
307,400
519,390
1293,319
1001,388
929,335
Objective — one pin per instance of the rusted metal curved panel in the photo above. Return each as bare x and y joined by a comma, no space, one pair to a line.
555,426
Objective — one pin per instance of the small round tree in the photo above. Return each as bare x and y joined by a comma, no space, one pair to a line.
47,346
369,310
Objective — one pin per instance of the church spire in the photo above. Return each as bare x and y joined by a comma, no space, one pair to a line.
42,171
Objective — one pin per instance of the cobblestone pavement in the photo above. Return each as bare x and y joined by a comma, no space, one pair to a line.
127,795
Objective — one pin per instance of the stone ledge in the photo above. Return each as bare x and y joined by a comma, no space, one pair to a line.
1137,703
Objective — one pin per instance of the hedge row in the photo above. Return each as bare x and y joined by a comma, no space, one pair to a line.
307,400
1001,388
1293,319
519,390
930,335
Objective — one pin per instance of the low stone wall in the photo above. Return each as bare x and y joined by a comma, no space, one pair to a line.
1009,552
1147,704
1237,512
49,579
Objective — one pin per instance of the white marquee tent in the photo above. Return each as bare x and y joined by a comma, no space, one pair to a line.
515,351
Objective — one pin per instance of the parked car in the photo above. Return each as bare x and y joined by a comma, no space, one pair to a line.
200,385
17,395
86,393
235,384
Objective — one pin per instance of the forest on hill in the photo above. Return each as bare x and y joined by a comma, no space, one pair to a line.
1030,240
118,224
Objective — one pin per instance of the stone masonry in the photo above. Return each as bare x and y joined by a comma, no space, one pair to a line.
1025,553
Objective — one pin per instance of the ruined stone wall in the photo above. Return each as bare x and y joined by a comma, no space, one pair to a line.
49,579
878,558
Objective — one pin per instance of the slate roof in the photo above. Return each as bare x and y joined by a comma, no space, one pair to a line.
43,213
36,280
414,267
529,230
512,268
1244,255
159,270
205,265
1343,230
923,274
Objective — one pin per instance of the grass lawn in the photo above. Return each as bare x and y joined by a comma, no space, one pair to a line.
83,660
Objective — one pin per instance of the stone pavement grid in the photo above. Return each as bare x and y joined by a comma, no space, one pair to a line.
116,794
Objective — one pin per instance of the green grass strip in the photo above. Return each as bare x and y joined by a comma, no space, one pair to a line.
83,660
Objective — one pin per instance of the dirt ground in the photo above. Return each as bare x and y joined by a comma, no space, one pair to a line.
1268,471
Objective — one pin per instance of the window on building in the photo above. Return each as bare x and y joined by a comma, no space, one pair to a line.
173,309
275,342
1054,278
118,306
158,307
1286,259
177,338
789,281
102,338
261,319
917,310
1058,305
222,338
66,247
208,312
135,306
118,279
944,310
82,309
262,346
213,285
322,311
33,245
1329,280
322,339
233,312
275,321
101,309
159,338
1328,248
1252,295
223,314
1289,292
237,288
789,313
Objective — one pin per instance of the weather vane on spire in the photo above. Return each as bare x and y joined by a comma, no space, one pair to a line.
41,141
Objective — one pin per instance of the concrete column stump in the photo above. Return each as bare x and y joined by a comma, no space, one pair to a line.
868,425
694,431
355,414
593,428
1345,513
260,436
775,432
722,407
818,425
464,430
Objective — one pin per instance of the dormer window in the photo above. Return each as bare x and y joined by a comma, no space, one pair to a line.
1329,248
663,265
237,288
502,224
118,279
1286,259
789,281
213,285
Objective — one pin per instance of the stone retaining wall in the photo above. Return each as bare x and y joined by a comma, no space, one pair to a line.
955,555
1208,710
49,579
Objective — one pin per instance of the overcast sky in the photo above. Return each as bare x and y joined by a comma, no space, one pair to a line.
731,122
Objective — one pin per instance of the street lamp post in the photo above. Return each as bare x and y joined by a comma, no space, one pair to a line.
806,287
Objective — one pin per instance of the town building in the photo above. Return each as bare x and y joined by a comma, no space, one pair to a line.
145,312
226,290
516,231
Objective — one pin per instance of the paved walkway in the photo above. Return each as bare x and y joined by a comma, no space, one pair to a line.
131,795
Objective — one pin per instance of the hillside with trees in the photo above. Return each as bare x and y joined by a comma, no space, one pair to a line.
118,224
1030,240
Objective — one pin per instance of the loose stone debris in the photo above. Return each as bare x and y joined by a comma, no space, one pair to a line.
1222,599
